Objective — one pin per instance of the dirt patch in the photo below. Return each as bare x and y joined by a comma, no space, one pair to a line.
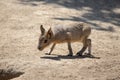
20,22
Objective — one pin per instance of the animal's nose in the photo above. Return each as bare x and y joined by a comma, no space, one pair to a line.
39,48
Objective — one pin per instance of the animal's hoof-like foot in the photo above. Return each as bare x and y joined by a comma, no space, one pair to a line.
79,54
70,55
47,54
88,54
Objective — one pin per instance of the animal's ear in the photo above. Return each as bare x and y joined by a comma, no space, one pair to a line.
50,34
42,30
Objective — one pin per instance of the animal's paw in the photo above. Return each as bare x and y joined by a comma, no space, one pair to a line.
47,53
88,54
70,55
79,54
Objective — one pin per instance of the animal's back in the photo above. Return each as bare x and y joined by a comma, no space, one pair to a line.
74,31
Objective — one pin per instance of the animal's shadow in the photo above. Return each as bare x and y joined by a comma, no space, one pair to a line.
59,57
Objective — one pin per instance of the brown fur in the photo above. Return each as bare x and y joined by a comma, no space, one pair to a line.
60,34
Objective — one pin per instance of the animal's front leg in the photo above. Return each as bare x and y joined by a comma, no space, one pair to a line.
70,49
53,46
69,44
83,48
81,51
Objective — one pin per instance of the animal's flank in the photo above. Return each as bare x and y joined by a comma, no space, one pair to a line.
77,31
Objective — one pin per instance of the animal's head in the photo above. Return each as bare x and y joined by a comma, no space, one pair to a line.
45,38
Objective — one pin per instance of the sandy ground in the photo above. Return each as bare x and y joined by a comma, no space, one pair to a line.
19,33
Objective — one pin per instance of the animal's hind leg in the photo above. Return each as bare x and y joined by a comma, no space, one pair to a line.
89,46
83,48
86,43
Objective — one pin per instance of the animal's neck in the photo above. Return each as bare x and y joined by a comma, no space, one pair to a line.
53,38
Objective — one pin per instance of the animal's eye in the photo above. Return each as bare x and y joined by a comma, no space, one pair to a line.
45,41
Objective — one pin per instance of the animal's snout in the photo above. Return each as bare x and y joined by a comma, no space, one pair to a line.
40,48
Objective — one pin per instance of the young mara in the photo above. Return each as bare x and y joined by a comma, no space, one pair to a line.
60,34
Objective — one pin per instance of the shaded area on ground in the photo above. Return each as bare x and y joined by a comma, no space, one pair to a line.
98,10
9,74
